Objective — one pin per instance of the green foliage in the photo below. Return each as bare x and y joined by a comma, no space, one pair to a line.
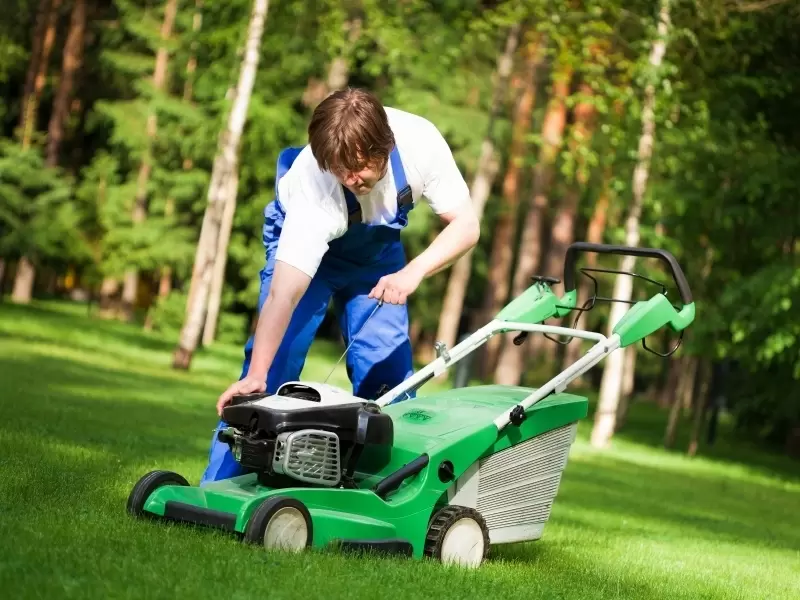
38,216
721,191
167,316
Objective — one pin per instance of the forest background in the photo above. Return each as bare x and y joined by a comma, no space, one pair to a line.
138,143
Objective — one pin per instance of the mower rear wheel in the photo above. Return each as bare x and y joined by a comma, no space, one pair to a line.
458,535
280,523
147,485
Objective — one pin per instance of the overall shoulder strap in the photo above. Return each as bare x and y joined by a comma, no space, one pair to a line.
353,207
286,158
404,196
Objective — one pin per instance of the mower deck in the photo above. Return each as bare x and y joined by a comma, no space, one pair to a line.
436,439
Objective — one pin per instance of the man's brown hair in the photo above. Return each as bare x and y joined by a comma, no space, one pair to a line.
349,131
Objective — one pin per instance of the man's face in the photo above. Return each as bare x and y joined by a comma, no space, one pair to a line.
362,182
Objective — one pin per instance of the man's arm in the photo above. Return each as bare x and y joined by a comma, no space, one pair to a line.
461,233
287,288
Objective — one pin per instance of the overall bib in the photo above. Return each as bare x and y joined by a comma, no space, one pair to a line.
350,269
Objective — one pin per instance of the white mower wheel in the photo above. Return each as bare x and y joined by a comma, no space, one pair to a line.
458,535
280,523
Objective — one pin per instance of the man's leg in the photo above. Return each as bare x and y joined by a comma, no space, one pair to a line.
286,366
381,354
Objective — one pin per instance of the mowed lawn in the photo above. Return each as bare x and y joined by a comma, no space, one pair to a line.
89,406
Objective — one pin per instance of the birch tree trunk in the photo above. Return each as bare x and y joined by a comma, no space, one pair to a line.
218,278
221,190
457,284
71,62
502,253
131,279
611,384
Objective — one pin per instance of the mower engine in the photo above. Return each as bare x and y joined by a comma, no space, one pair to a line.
312,433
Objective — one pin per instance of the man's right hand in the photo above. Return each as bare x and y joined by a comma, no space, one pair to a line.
248,385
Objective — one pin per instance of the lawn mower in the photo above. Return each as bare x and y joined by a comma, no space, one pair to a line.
444,475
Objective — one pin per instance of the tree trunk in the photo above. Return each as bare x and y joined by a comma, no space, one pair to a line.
338,71
699,407
139,215
44,37
73,52
792,445
672,421
165,279
628,372
502,254
2,274
453,304
225,167
594,235
511,359
684,394
414,332
218,278
686,384
611,383
38,36
23,282
669,391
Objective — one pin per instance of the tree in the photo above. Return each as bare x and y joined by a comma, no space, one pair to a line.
43,38
223,188
485,173
72,56
139,213
611,383
503,234
509,364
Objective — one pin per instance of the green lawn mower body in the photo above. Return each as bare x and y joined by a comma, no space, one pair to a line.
444,475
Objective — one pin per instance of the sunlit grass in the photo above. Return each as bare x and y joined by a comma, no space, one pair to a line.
89,406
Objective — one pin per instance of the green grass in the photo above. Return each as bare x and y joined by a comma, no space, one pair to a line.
89,406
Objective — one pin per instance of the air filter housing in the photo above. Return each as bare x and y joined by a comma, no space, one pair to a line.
310,455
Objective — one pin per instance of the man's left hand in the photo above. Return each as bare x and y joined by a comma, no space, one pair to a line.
397,287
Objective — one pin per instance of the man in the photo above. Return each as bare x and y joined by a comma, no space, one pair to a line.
333,231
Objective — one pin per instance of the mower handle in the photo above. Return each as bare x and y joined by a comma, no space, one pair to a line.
665,256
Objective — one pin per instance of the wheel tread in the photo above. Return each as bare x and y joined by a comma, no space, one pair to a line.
443,520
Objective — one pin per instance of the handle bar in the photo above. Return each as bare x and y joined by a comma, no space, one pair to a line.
667,257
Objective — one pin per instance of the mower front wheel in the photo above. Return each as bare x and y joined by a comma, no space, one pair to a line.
280,523
147,485
458,535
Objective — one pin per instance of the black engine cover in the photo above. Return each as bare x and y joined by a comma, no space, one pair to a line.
340,419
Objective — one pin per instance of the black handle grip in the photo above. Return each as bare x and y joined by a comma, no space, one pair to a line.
392,481
667,257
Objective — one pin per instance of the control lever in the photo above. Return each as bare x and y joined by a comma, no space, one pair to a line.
521,337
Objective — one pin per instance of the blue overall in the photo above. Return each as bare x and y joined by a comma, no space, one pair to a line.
349,270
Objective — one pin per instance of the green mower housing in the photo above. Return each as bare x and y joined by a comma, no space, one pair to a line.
466,468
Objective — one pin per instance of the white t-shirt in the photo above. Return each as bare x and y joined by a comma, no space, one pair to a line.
316,209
